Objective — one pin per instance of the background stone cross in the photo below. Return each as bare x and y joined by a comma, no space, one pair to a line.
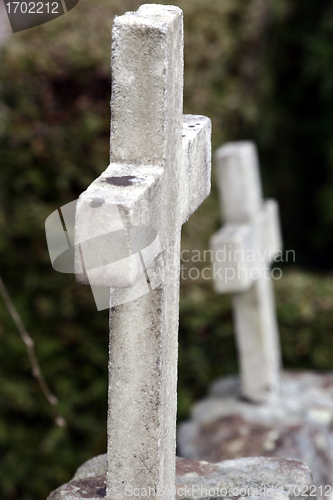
243,250
159,174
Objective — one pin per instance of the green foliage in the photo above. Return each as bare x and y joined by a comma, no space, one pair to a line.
260,70
305,310
295,133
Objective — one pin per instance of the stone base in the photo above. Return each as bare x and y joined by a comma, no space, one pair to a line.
299,425
259,478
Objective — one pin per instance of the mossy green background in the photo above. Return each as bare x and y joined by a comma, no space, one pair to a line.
261,70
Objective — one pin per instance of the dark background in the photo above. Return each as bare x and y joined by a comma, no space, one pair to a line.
261,70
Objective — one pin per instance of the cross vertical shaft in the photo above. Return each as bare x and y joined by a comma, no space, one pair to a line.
146,124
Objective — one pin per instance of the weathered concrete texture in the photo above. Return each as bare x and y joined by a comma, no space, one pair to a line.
158,176
127,196
247,477
298,426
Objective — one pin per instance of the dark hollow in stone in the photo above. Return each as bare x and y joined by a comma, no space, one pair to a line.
125,180
97,202
101,492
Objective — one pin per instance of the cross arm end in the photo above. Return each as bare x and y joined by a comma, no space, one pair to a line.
113,225
196,175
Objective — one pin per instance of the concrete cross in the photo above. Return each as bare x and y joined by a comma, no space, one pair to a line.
243,250
159,174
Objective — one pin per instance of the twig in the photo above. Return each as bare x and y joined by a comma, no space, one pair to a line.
29,344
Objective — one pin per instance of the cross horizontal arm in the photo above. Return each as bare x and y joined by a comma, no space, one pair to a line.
196,173
242,252
114,222
127,196
232,270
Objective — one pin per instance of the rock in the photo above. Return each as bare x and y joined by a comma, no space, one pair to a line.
263,478
97,466
297,426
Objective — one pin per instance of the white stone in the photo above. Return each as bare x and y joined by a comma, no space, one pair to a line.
232,240
159,174
249,241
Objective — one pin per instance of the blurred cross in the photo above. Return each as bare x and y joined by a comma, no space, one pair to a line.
243,250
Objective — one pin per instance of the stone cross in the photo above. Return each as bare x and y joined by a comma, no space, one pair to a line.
159,174
243,250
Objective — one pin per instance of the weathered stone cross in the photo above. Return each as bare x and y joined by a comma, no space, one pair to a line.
243,250
159,174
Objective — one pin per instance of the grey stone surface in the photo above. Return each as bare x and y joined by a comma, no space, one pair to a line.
255,478
159,174
96,466
299,425
243,251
